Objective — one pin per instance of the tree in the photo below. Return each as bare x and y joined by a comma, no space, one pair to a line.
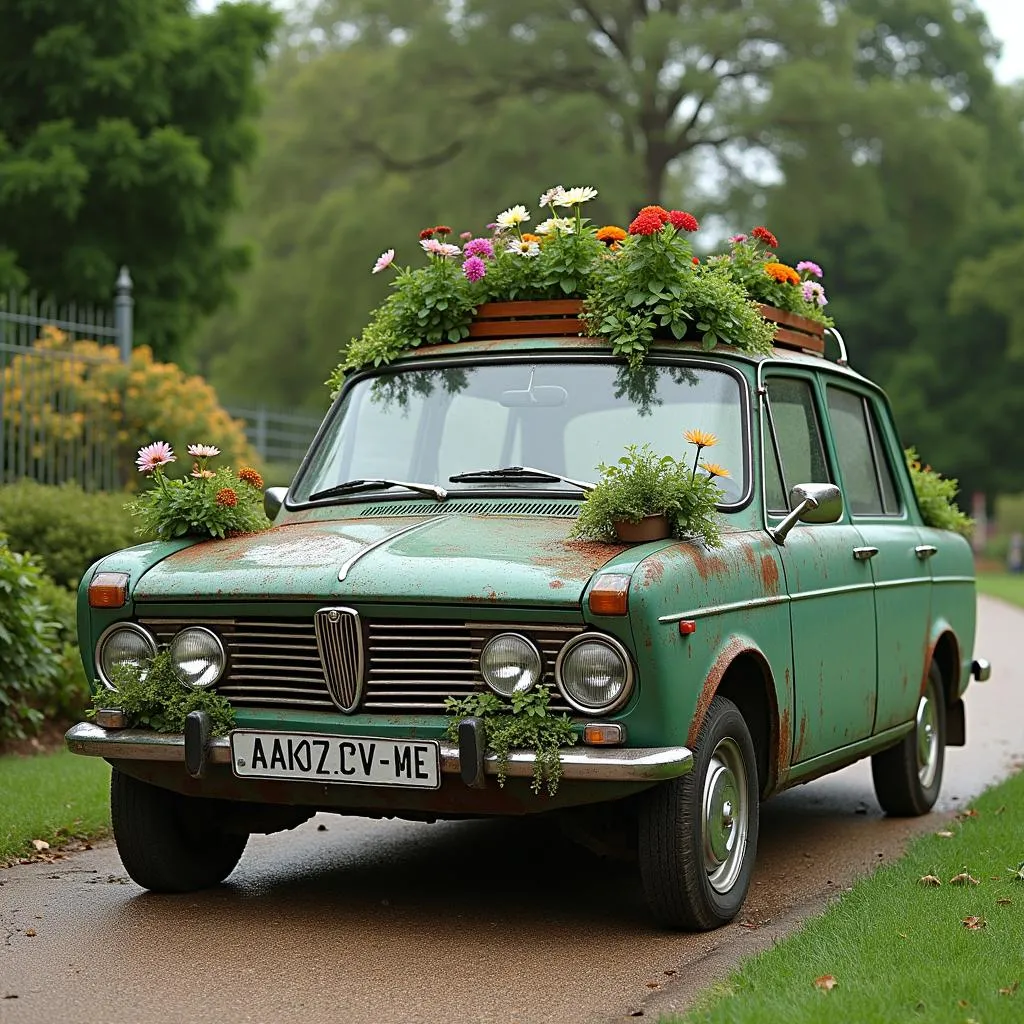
123,126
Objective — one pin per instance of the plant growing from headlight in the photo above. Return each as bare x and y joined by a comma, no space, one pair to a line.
523,722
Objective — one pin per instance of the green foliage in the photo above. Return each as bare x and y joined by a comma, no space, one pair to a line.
66,528
935,494
158,700
122,131
522,723
644,483
66,696
217,505
28,664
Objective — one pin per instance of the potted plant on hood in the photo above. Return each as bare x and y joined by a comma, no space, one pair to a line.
646,496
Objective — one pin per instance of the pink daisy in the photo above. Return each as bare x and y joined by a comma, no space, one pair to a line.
384,260
153,456
203,451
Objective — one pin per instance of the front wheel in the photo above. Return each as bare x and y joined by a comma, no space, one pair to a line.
698,833
169,842
908,777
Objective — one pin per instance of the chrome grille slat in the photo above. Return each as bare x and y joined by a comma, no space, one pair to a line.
408,666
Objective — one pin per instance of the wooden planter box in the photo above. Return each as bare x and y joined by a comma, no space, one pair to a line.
795,331
527,319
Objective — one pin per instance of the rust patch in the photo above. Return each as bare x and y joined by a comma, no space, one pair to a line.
801,738
748,554
711,684
769,574
654,569
576,560
556,584
784,746
705,564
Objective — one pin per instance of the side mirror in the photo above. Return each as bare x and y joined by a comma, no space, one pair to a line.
273,499
810,503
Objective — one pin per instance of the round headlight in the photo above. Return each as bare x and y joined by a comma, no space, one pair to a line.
124,645
197,657
594,673
510,664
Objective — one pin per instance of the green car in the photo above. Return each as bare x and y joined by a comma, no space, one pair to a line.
423,552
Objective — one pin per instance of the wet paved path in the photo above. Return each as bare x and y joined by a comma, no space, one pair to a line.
459,922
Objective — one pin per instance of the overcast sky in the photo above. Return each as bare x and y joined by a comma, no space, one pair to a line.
1005,16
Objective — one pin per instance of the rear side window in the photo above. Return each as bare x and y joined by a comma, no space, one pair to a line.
794,453
869,488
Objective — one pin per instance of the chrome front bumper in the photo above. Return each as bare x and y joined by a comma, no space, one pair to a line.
594,764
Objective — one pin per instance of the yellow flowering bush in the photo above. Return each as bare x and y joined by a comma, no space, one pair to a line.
91,396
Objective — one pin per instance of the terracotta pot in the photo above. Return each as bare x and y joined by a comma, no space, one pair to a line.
656,527
527,319
795,331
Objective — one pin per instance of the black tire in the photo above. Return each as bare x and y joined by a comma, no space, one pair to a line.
695,877
908,777
169,842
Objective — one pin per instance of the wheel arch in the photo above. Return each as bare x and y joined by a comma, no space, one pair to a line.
946,655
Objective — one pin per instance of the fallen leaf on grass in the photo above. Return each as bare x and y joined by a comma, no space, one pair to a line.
929,880
826,982
40,845
1010,990
945,834
1004,901
974,924
969,813
964,879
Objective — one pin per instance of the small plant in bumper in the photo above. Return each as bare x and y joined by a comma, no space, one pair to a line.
643,483
522,723
207,503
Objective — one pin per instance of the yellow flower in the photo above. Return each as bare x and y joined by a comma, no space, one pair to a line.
713,469
701,438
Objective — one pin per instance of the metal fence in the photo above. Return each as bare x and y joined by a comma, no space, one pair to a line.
278,437
51,424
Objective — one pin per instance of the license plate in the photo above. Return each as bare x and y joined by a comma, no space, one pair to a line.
365,760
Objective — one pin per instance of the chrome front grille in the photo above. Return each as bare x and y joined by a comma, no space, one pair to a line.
339,642
408,665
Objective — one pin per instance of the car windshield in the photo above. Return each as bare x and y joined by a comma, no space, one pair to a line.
564,418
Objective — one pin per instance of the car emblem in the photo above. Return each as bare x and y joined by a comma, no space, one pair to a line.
339,642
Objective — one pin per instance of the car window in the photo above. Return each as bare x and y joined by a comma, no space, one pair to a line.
797,455
868,486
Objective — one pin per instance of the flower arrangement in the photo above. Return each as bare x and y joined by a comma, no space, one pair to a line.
935,494
635,283
209,502
643,483
751,262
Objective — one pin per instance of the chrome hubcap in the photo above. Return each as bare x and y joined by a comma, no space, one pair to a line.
927,739
724,814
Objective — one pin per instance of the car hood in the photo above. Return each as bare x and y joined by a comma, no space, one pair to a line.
512,560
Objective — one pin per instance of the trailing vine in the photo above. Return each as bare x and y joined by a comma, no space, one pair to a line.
523,722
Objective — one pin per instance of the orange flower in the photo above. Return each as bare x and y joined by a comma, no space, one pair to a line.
527,237
248,475
610,234
701,438
226,496
782,273
713,469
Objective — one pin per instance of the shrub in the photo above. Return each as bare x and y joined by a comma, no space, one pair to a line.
935,494
28,663
66,527
68,694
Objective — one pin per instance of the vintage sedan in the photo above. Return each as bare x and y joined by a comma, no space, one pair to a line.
423,551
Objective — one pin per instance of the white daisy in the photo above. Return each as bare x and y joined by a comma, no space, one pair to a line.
551,195
563,225
575,196
523,248
513,216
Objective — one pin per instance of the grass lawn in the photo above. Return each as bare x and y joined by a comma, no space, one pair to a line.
899,950
1004,585
53,797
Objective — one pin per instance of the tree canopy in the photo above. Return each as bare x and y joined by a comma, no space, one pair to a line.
123,126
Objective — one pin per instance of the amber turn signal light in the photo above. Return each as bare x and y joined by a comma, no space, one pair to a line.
610,595
108,590
604,734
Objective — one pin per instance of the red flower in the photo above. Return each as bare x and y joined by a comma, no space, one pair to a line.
226,496
695,261
442,229
683,221
427,233
659,210
646,222
762,234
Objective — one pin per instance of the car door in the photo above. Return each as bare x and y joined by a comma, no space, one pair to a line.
891,543
832,612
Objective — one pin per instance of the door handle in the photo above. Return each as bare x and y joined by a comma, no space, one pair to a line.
924,551
863,554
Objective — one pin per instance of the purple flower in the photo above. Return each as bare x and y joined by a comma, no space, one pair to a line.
479,247
811,268
736,239
813,292
474,268
466,235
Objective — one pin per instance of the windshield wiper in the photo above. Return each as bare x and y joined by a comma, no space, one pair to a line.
525,474
351,486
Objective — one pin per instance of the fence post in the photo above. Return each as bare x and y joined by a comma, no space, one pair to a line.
261,431
123,303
